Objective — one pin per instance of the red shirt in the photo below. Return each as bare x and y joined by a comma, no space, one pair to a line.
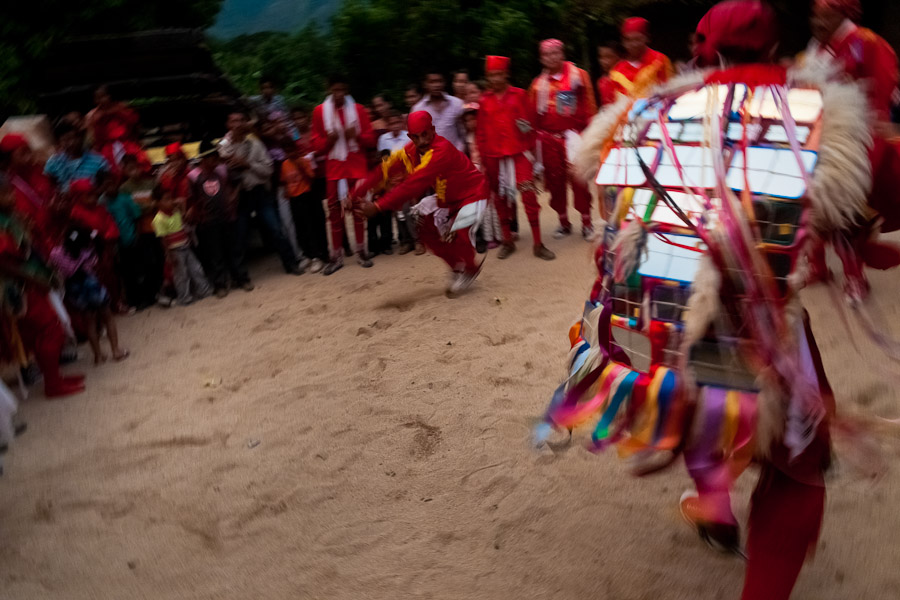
869,58
96,218
606,90
497,133
448,171
356,166
572,82
635,79
177,184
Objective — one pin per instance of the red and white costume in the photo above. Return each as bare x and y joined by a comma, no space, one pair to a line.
345,161
634,78
505,133
564,104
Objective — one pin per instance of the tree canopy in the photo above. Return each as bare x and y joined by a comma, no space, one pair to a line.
29,31
383,45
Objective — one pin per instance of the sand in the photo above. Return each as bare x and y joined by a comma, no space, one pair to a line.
361,436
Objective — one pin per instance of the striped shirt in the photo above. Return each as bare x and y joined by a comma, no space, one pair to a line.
66,169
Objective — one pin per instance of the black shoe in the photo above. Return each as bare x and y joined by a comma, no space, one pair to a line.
364,261
247,286
480,246
332,267
221,293
387,251
293,270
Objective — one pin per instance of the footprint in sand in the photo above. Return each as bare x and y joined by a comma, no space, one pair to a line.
426,439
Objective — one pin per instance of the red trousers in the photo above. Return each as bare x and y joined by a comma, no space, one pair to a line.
459,253
43,334
557,178
336,220
525,185
785,517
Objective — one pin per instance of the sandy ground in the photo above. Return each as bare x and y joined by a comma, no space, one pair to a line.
361,436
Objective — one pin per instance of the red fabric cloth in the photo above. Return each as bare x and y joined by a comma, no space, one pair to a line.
885,156
496,63
459,253
867,57
130,149
606,91
753,75
586,105
356,165
636,25
737,24
115,123
42,334
557,178
81,186
497,133
653,68
454,178
525,181
337,223
96,218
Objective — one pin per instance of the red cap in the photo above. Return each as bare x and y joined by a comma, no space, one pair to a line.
636,25
12,142
851,9
748,25
552,44
81,186
419,122
174,148
496,63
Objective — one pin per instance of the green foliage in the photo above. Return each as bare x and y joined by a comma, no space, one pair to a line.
29,30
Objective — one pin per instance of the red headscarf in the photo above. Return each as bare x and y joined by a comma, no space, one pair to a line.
12,142
737,24
552,44
419,122
851,9
496,63
636,25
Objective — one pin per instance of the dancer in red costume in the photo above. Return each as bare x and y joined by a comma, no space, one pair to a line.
642,67
505,138
563,100
26,282
448,217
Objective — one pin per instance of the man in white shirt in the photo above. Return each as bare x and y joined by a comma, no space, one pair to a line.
445,110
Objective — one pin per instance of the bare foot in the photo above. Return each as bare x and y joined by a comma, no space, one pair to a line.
121,355
99,359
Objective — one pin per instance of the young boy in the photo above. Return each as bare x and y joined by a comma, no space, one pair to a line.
212,209
396,139
190,281
127,214
148,255
608,55
298,178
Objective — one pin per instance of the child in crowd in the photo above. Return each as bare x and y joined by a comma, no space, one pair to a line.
88,213
381,226
147,252
312,228
76,260
490,234
190,281
395,140
297,176
212,210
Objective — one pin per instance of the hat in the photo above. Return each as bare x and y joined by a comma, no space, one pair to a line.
419,122
12,142
636,25
207,148
496,63
851,9
552,44
174,148
748,25
81,186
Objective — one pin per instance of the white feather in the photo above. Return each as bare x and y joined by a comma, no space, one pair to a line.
602,129
704,304
626,249
842,180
